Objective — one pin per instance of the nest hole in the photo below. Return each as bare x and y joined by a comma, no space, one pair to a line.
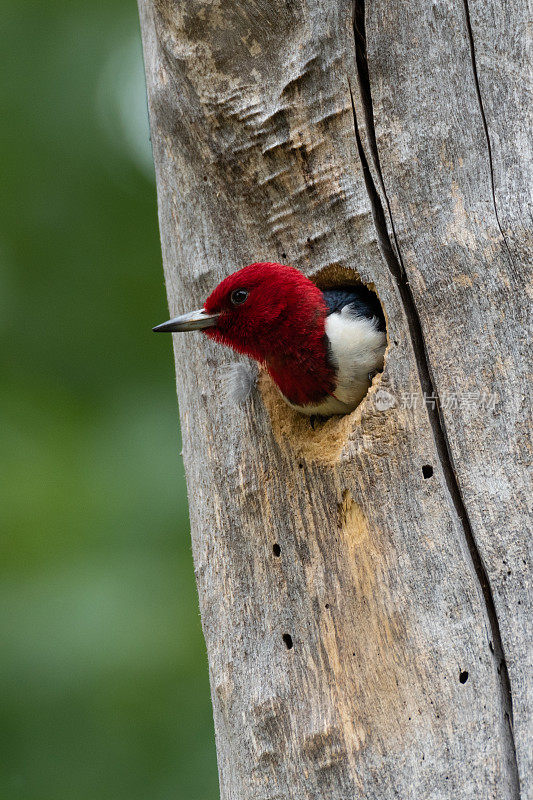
339,278
322,439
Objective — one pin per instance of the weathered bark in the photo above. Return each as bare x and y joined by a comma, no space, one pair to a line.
392,585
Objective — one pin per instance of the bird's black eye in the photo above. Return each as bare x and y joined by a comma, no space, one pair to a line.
239,296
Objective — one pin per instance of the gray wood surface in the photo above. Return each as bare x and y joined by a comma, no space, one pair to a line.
390,143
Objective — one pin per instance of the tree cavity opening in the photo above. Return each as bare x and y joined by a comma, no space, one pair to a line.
322,439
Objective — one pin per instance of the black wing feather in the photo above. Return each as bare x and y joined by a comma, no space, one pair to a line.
362,302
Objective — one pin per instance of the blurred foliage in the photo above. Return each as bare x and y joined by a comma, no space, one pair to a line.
103,668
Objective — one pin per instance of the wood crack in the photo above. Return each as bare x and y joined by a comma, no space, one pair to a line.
392,256
484,121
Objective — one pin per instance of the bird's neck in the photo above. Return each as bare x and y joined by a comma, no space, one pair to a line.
302,370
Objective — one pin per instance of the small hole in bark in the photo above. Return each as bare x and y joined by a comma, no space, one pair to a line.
276,549
427,471
287,638
327,605
463,676
284,256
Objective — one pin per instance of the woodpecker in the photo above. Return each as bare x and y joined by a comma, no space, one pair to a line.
320,347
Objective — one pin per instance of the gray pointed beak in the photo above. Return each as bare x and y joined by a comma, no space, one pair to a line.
194,321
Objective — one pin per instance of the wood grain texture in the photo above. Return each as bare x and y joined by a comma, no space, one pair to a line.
460,199
377,577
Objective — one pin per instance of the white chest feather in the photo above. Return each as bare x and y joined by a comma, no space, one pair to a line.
357,348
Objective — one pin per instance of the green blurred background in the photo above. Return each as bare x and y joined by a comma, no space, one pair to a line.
102,662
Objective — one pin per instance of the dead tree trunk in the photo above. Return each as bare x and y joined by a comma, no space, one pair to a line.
387,547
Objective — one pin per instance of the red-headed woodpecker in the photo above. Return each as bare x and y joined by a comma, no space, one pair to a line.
319,346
